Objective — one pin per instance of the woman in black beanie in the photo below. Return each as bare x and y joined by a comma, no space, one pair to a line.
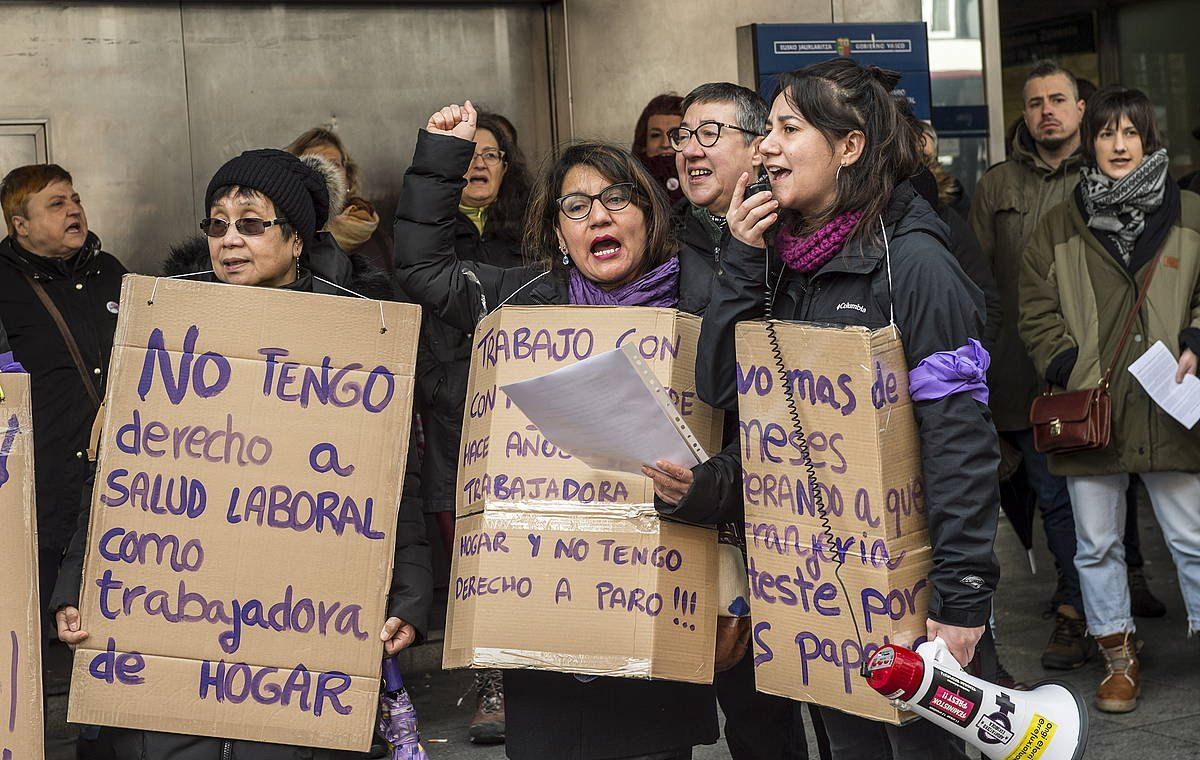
247,197
263,210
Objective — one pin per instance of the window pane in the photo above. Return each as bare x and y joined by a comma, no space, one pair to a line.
1159,57
941,16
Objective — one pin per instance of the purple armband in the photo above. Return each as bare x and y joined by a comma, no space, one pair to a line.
946,373
9,364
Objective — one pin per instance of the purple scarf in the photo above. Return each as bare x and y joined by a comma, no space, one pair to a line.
658,287
810,252
945,373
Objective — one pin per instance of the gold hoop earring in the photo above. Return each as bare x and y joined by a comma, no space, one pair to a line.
838,175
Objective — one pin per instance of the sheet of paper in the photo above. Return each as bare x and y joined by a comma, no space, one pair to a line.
601,411
1155,370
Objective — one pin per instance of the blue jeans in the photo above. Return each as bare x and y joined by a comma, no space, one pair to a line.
1055,504
1100,554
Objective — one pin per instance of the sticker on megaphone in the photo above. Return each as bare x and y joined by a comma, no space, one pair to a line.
1048,722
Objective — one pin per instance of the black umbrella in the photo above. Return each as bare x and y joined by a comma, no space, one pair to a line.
1018,500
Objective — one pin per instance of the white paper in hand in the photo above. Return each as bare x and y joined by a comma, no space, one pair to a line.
609,411
1155,370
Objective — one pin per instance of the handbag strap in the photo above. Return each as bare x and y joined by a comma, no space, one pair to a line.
67,337
1137,307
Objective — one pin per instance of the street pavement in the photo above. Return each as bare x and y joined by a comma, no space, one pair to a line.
1166,725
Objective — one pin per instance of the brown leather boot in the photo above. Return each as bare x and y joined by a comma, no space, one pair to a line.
1070,646
487,724
1122,684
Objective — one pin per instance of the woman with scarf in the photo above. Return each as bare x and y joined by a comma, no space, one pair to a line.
292,198
858,246
353,221
1127,224
597,233
487,229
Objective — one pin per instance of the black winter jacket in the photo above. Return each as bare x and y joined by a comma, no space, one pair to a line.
443,363
937,308
965,248
549,715
410,595
87,290
715,496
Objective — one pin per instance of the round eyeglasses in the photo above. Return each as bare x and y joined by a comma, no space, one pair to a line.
579,205
706,132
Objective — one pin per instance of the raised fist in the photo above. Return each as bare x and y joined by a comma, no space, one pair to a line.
455,120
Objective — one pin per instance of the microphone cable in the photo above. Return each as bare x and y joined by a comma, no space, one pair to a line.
814,488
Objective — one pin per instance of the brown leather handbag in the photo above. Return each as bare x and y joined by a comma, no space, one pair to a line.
1082,420
733,639
1072,421
733,633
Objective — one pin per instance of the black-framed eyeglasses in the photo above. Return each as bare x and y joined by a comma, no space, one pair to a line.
707,133
247,226
490,156
614,198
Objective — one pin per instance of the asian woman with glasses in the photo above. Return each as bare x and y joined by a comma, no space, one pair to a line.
263,209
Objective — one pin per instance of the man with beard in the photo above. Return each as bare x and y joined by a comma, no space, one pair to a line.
1010,200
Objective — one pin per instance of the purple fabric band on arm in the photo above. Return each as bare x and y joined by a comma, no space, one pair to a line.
946,373
9,364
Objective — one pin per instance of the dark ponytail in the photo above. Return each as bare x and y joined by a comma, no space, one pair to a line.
840,96
887,78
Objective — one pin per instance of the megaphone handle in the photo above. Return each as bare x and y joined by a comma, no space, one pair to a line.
940,653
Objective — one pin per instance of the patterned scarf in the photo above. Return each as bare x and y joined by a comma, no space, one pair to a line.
658,287
1119,207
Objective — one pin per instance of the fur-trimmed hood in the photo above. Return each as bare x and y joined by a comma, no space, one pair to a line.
335,181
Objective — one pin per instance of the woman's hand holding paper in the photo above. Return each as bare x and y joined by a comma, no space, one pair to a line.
671,481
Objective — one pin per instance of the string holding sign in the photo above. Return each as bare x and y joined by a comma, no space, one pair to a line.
383,328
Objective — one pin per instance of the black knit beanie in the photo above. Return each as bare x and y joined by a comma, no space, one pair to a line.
298,192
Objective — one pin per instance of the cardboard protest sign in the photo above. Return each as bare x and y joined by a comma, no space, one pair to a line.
850,387
558,566
243,518
20,633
